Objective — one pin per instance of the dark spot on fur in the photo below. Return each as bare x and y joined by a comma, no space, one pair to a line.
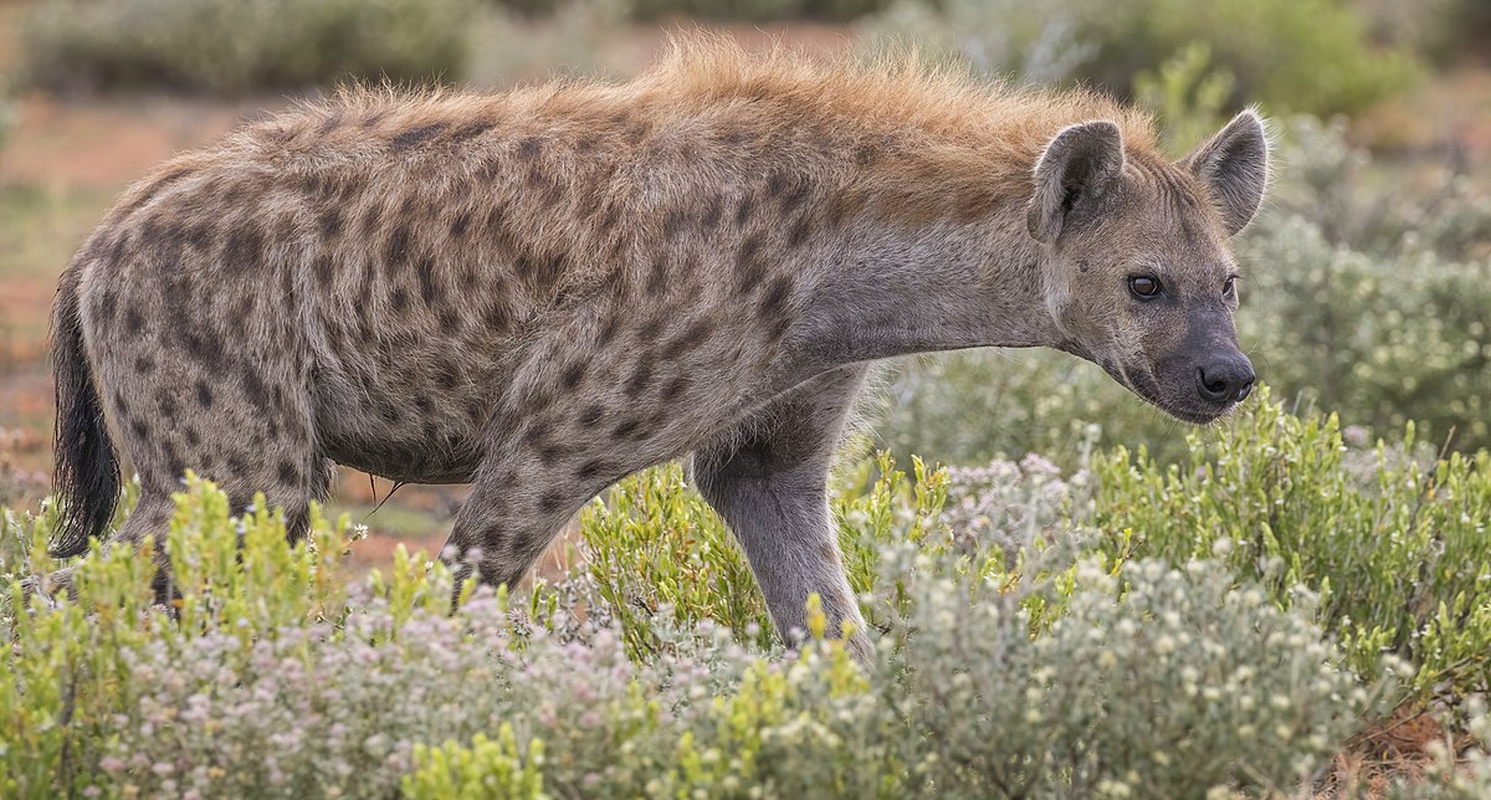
205,346
144,364
331,222
141,428
398,244
800,231
777,293
657,278
613,215
676,387
471,130
795,195
750,267
204,394
193,438
608,330
459,225
626,430
525,267
673,223
447,375
496,316
450,322
641,376
253,388
476,411
691,338
744,210
399,300
325,270
168,407
108,303
417,135
529,148
288,473
713,212
244,249
592,415
552,501
573,374
596,468
133,321
652,327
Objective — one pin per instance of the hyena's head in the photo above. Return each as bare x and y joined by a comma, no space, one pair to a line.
1138,273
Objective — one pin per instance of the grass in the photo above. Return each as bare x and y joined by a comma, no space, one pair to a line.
41,227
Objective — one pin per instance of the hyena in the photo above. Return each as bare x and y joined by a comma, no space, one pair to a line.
542,291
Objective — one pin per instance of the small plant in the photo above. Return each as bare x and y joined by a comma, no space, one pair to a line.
227,46
1309,56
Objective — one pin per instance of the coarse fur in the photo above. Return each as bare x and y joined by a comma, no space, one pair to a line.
543,291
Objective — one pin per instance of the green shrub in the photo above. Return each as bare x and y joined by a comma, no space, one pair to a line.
274,674
1291,55
1396,546
233,46
744,10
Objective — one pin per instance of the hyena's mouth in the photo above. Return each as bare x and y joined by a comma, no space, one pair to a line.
1143,384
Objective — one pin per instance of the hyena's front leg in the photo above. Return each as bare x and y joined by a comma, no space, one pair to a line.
510,518
770,485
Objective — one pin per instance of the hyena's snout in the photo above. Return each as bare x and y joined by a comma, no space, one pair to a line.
1225,378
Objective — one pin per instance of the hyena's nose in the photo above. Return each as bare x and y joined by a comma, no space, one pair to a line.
1228,379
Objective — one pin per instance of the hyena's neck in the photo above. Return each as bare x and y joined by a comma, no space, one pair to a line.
899,289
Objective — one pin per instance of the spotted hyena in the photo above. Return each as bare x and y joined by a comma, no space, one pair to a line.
540,292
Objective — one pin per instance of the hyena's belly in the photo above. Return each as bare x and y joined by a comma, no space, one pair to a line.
415,415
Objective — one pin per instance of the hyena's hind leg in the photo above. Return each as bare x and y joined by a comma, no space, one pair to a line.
770,485
249,429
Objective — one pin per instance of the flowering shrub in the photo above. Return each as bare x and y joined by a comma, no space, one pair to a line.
1047,670
1397,548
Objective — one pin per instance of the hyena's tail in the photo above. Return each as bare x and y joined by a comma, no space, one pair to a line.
86,478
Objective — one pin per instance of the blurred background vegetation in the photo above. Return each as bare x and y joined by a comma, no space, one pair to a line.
1368,276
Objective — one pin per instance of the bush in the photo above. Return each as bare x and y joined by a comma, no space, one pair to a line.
1396,546
1310,56
233,46
743,10
275,674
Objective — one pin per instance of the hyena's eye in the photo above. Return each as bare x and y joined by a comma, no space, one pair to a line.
1230,287
1144,287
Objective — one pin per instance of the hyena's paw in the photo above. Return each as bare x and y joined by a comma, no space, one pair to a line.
50,587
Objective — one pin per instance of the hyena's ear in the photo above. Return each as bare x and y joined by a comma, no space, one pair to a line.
1234,164
1081,164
